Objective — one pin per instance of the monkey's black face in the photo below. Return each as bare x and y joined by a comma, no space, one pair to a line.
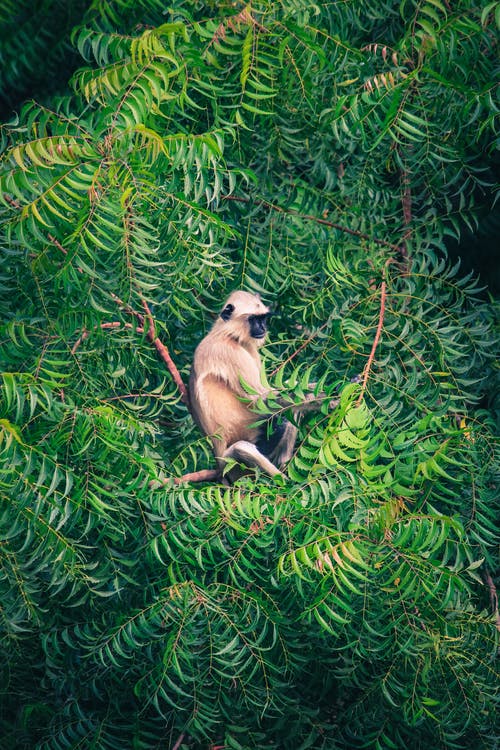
258,326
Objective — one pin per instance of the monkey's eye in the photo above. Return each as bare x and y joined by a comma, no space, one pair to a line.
263,317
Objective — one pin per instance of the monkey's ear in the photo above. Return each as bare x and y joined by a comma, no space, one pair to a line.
227,312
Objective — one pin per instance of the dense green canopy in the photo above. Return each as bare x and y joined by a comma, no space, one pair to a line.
320,154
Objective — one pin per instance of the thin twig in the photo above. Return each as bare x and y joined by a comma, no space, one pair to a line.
406,201
179,741
57,244
128,308
300,348
15,204
103,326
367,367
493,597
11,201
316,219
164,354
150,333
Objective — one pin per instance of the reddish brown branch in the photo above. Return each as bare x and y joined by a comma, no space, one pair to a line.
203,475
493,598
165,355
11,201
103,326
367,367
128,309
179,742
316,219
150,333
57,244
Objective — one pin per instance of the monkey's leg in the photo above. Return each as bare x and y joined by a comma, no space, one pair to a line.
283,451
277,440
248,454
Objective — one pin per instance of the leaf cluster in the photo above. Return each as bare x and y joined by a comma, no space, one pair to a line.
319,155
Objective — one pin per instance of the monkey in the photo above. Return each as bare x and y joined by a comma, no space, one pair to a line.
226,358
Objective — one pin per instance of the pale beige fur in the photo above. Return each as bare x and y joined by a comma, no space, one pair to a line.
222,406
227,355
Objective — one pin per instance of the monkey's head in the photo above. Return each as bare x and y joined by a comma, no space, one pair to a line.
244,318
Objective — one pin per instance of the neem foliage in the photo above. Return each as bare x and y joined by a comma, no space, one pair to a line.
319,154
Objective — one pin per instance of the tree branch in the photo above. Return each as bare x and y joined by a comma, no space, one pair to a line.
204,475
57,244
367,367
406,201
103,326
179,741
150,333
316,219
493,597
164,354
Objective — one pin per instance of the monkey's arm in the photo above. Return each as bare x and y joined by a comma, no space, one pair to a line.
275,402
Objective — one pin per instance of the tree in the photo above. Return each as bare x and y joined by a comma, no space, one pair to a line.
320,155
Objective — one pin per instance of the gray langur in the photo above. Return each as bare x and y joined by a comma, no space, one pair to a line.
226,358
